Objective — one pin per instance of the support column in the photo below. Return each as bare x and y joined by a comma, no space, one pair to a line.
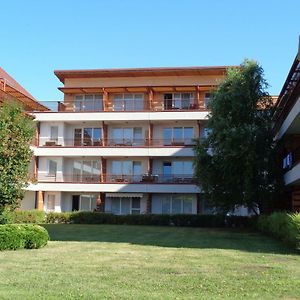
198,97
103,170
199,129
150,134
150,166
149,204
104,134
151,98
35,167
199,204
37,134
40,200
105,100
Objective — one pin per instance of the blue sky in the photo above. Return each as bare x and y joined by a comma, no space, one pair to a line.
38,37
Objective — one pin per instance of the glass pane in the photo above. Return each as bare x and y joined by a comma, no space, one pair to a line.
78,105
96,169
97,136
188,205
98,105
166,205
87,136
167,171
127,168
54,133
176,205
136,203
137,171
156,204
85,203
125,206
178,135
116,167
77,136
87,171
188,168
93,202
138,136
117,135
188,135
52,168
89,105
115,206
77,166
178,167
168,101
128,136
118,102
167,136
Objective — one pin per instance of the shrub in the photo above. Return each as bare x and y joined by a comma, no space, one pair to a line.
55,217
281,225
28,216
19,236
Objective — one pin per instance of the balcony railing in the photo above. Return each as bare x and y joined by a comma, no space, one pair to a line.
123,106
118,178
121,142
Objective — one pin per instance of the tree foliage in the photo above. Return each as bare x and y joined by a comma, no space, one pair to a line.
16,133
237,163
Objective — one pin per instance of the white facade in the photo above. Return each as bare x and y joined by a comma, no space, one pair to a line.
122,152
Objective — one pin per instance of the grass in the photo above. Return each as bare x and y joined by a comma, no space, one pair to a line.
140,262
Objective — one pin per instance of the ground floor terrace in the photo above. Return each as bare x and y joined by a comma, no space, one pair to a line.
116,203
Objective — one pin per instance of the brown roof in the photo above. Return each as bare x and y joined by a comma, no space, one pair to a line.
12,88
141,72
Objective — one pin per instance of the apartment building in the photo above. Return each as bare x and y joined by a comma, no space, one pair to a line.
287,133
122,141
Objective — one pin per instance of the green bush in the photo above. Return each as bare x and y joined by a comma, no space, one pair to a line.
281,225
28,216
56,217
19,236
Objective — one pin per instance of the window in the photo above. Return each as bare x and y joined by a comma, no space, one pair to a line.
52,168
54,133
86,171
87,202
87,136
125,205
178,100
207,99
177,171
126,171
128,102
51,203
89,102
127,136
178,136
173,204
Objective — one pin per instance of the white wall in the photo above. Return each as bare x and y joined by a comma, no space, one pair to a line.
45,129
28,202
57,201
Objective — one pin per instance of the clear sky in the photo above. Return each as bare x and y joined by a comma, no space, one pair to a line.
38,37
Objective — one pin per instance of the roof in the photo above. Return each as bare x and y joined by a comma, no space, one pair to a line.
12,88
141,72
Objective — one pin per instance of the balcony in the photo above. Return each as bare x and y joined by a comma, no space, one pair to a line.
119,178
128,106
115,143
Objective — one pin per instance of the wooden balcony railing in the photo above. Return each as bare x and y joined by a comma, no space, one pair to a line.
118,178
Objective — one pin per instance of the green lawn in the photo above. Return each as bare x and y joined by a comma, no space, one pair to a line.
141,262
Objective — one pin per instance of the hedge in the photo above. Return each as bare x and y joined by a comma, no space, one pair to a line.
20,236
85,217
27,216
281,225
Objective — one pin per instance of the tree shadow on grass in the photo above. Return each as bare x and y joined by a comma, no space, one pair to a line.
176,237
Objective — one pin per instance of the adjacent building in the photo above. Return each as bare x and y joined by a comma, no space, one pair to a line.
122,141
287,133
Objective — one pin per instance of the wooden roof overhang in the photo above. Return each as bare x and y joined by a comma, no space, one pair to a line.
136,89
14,93
289,94
142,72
